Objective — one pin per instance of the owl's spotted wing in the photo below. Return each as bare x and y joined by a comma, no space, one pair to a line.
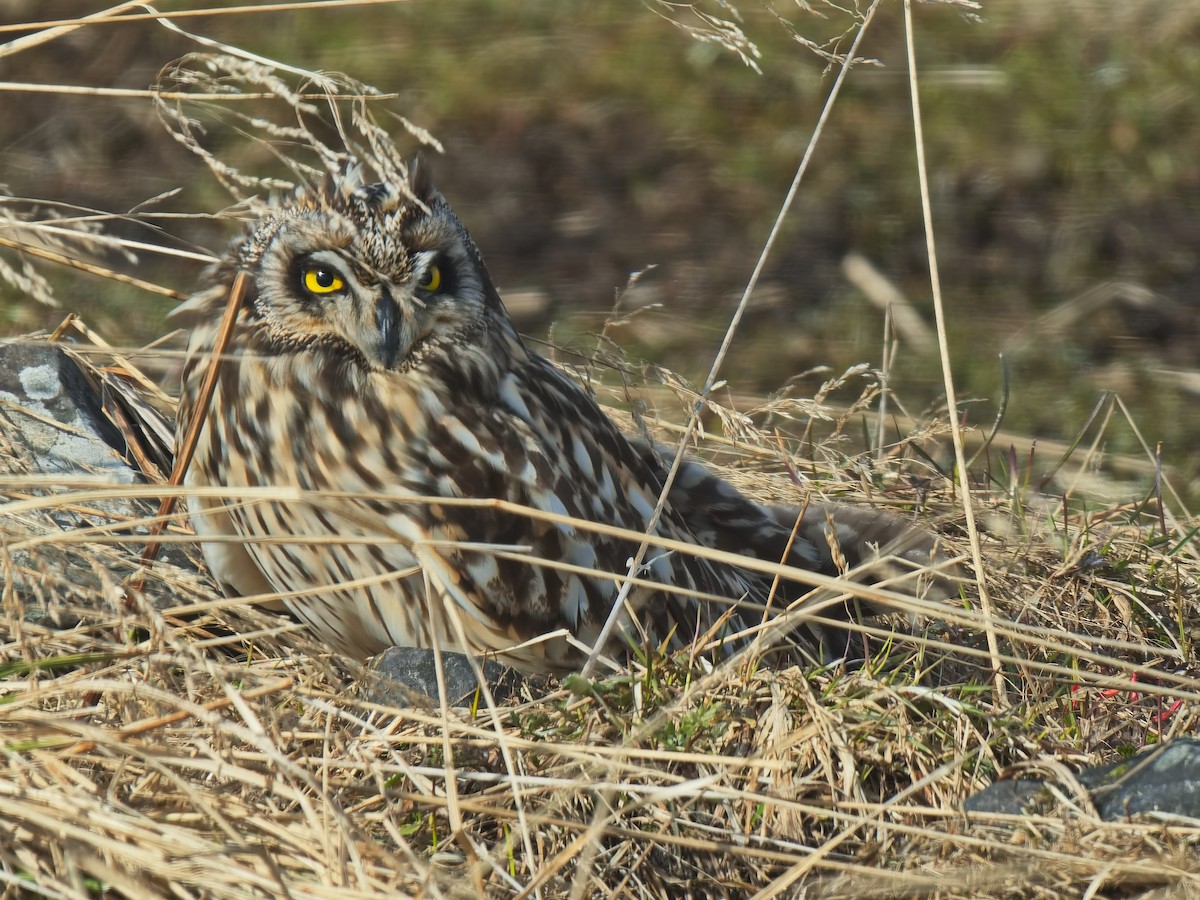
539,441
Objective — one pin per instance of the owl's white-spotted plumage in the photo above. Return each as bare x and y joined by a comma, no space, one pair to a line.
372,362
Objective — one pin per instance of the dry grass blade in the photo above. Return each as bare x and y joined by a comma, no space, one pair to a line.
960,456
119,14
187,447
92,268
52,30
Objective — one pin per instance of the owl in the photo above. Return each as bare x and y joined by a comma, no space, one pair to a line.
434,461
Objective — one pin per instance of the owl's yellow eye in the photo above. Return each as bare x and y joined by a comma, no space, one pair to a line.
431,280
322,281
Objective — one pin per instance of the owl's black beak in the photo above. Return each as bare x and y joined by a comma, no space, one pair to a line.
387,320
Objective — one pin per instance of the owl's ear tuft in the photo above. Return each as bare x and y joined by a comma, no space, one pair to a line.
420,179
345,182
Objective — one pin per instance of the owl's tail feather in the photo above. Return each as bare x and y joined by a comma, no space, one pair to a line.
860,545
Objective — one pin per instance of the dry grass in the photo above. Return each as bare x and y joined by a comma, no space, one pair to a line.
165,741
228,755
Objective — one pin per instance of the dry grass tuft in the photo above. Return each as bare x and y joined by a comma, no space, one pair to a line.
172,740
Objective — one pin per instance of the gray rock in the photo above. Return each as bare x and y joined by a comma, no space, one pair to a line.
53,425
55,421
1010,797
407,676
1162,781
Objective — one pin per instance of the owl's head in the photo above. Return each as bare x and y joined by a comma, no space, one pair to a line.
379,271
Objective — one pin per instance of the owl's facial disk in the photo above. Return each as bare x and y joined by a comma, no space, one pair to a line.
382,310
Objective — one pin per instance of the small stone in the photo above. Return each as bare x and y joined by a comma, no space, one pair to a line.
1163,781
407,676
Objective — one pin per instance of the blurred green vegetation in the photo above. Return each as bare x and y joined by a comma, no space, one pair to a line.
589,140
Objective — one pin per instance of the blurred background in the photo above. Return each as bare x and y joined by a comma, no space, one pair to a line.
585,141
